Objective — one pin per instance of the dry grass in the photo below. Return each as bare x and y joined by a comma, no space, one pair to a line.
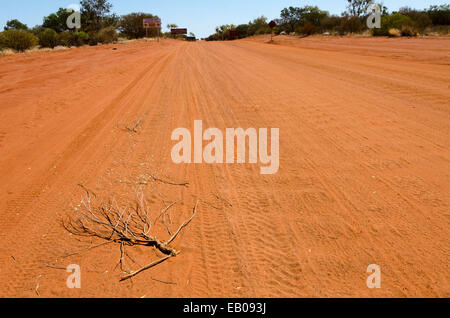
7,52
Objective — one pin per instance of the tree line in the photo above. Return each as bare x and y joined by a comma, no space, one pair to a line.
98,26
310,20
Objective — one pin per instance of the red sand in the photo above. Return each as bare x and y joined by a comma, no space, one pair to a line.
364,169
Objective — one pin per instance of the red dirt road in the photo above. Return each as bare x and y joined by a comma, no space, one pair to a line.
364,166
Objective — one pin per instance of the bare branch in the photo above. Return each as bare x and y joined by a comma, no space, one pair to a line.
146,267
183,225
155,178
128,225
223,200
134,129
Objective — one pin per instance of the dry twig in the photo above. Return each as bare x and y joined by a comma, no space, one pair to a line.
223,200
126,226
183,184
134,129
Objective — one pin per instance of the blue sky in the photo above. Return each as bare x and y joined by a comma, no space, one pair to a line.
199,16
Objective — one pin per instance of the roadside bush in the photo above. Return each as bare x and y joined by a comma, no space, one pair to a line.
351,24
242,30
18,40
107,35
441,30
48,38
440,14
421,19
36,30
70,39
408,31
393,21
330,23
307,29
93,38
104,36
131,25
65,39
80,38
258,26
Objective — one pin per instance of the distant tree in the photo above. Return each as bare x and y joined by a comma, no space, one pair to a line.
395,20
258,26
107,35
439,15
170,27
15,25
93,13
384,10
357,8
331,23
112,20
290,18
307,29
294,18
48,38
19,40
312,14
242,31
351,24
57,21
132,27
223,33
420,18
36,29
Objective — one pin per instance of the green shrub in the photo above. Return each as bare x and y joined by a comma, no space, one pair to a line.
18,40
48,38
108,35
351,24
15,25
36,30
70,39
307,29
330,23
439,14
408,31
93,38
66,39
421,19
105,35
393,21
80,38
131,25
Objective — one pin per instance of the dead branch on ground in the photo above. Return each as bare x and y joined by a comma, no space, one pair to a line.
134,129
157,179
223,200
148,178
126,226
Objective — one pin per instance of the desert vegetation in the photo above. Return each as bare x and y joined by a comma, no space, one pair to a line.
98,26
310,20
